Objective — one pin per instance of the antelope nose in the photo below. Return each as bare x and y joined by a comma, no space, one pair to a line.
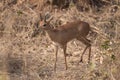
36,25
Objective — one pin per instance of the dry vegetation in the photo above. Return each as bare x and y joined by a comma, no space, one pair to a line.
26,53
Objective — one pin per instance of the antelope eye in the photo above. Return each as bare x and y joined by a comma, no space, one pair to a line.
44,25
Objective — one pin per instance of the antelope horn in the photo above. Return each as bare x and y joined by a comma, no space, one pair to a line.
41,17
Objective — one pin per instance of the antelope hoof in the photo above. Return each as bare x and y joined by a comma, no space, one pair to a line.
54,69
65,68
81,61
68,55
88,62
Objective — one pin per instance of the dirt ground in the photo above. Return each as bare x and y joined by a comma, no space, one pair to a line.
23,57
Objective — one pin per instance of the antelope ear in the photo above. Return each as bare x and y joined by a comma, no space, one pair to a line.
47,15
41,23
53,26
49,19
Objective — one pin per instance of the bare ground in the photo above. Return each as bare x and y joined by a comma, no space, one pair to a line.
23,57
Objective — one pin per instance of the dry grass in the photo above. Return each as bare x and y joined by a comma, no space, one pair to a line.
23,57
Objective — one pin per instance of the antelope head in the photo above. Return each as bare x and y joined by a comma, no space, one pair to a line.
44,23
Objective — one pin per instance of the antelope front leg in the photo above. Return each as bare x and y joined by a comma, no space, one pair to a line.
64,50
56,53
89,54
81,59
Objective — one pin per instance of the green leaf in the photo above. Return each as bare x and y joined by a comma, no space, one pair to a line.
19,12
113,57
105,45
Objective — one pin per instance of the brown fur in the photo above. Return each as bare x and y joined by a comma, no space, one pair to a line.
65,33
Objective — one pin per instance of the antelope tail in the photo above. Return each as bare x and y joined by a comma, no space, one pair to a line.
96,30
